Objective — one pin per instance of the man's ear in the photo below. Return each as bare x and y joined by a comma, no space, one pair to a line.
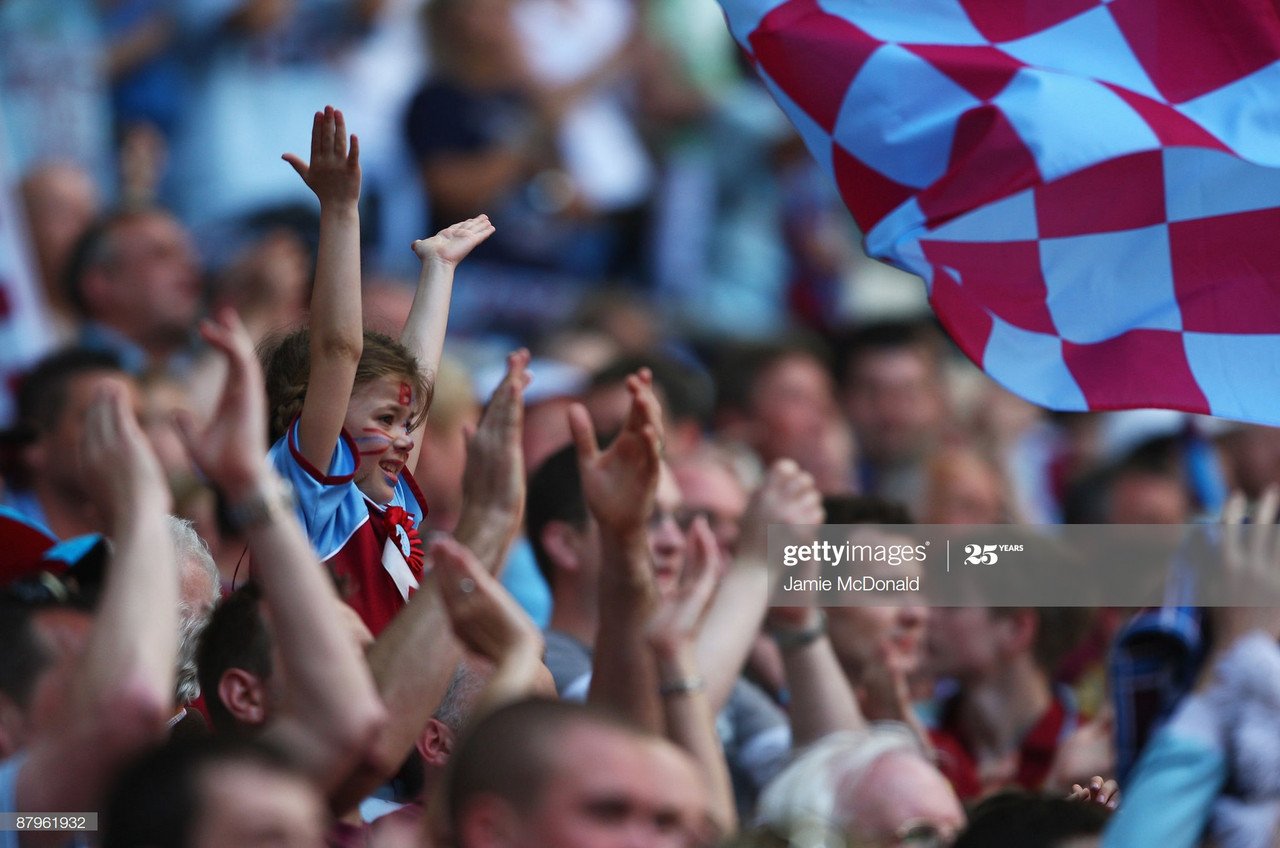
561,541
488,821
435,743
244,696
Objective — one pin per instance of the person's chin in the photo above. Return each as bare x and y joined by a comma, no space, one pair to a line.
377,491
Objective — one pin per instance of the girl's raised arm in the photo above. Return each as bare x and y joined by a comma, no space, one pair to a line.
336,326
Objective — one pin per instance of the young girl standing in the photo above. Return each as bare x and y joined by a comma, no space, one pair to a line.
346,401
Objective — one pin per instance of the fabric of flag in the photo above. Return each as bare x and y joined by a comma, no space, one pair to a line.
1089,189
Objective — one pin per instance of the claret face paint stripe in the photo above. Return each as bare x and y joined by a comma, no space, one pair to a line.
376,442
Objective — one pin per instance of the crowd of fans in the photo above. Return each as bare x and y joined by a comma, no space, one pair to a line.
304,572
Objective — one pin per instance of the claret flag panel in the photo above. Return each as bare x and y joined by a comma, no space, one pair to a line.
1089,189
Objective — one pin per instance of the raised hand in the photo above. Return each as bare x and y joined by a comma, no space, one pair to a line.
788,495
619,483
678,618
231,449
452,244
1250,568
485,618
117,462
334,171
1088,750
1097,791
494,478
885,685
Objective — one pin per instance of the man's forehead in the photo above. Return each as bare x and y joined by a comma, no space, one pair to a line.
149,224
706,480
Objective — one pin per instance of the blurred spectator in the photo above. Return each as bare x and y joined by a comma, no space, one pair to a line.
1251,456
143,65
566,543
199,589
1028,821
893,390
519,775
875,787
53,399
779,400
52,88
135,284
454,412
686,396
964,487
486,134
711,485
583,53
256,71
386,303
1022,439
222,790
1004,722
268,285
622,316
1141,496
1149,485
85,694
61,202
881,649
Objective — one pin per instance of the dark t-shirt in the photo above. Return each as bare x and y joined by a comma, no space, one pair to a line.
446,118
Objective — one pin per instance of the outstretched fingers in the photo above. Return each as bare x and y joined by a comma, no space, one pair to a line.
584,434
338,144
317,135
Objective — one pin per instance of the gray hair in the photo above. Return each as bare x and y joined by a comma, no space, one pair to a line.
191,551
803,801
458,703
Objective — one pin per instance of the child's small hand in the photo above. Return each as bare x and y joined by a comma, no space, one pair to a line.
452,244
334,172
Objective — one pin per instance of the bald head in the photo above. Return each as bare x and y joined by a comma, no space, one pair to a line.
560,775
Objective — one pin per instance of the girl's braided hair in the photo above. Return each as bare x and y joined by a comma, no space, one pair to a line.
286,362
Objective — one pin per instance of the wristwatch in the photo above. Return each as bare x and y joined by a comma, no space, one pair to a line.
273,494
789,640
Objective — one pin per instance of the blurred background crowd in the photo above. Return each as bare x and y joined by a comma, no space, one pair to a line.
653,209
650,201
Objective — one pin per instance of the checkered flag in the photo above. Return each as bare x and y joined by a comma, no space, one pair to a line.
1090,189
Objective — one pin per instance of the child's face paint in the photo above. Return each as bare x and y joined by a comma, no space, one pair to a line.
373,442
378,422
